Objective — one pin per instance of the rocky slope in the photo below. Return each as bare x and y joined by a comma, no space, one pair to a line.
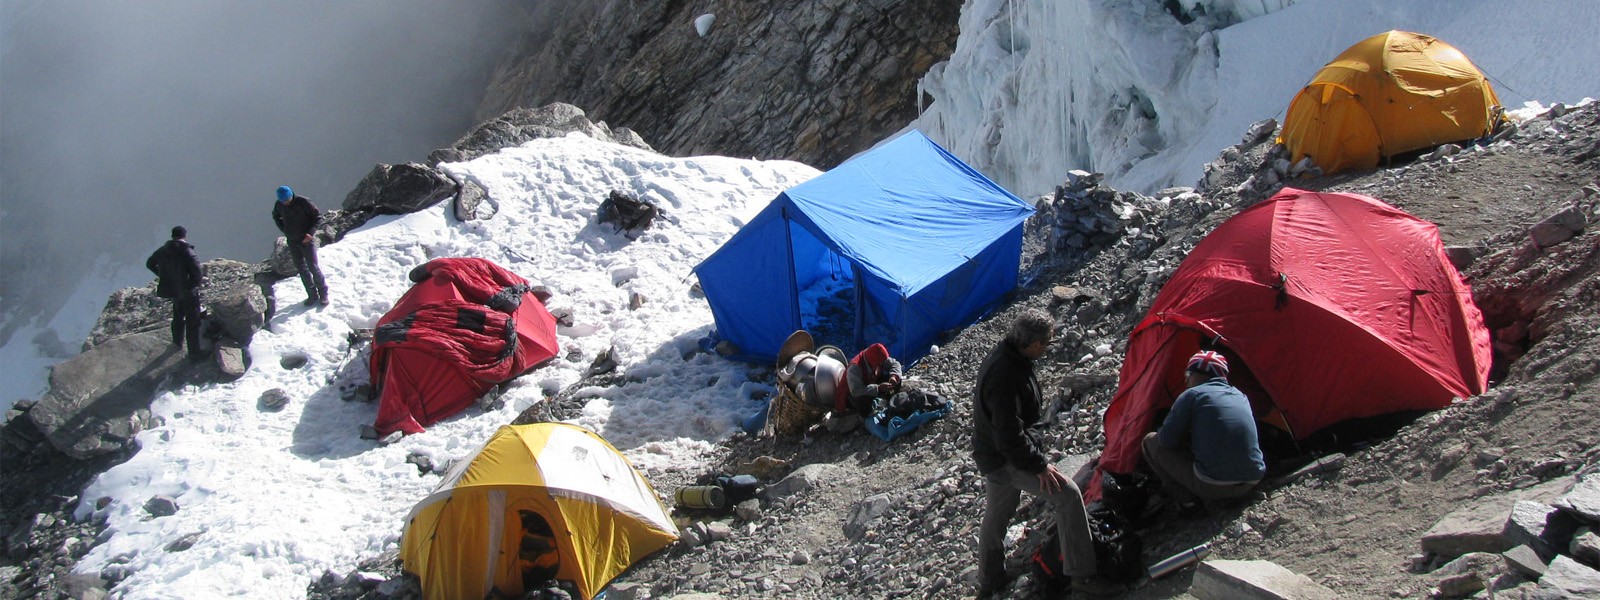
814,81
858,518
861,518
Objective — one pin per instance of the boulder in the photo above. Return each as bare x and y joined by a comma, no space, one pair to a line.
1524,560
627,591
804,479
231,361
863,514
1254,580
273,400
1584,499
240,311
99,399
472,202
1463,256
1471,529
1585,547
280,263
1558,228
399,189
522,125
1566,578
1481,526
161,506
1541,527
1467,575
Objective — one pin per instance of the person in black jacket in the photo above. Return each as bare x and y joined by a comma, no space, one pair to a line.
178,277
1008,445
297,218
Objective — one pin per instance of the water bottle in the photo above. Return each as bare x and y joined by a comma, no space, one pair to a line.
1179,561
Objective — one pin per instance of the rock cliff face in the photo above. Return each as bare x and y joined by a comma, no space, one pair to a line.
814,81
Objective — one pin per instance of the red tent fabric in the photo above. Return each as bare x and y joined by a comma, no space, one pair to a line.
1328,306
466,325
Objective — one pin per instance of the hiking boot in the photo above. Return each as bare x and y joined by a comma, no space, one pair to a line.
996,589
323,301
310,300
1096,587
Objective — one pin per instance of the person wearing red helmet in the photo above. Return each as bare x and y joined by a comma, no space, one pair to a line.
1207,448
872,374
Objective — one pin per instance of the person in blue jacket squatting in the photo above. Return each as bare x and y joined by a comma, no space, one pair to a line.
1207,448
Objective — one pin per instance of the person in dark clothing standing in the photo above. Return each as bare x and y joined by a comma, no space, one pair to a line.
1008,445
1207,448
297,218
178,277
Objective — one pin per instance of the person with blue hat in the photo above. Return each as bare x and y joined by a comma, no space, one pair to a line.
298,218
1207,448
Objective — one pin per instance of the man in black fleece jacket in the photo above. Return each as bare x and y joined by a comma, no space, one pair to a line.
178,277
1007,443
297,218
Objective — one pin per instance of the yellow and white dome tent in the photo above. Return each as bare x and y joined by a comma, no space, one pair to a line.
1389,94
463,540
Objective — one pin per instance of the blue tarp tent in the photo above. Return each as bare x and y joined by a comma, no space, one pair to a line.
926,242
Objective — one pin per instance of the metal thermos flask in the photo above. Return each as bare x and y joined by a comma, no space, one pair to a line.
1179,561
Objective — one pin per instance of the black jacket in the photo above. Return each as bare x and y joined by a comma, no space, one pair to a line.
177,270
296,218
1005,413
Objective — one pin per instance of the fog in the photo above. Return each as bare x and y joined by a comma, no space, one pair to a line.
119,120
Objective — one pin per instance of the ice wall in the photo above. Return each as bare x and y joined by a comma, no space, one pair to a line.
1037,87
1148,91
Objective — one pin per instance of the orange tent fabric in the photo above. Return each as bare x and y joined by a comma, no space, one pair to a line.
1392,93
1338,306
603,516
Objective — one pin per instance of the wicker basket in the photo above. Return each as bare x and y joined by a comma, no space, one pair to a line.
791,415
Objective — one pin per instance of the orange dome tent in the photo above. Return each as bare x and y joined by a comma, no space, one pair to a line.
1389,94
599,515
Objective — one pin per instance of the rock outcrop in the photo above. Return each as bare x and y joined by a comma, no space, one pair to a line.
520,125
99,399
815,81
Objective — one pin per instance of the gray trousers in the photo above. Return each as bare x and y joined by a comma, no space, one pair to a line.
1175,468
1003,492
305,261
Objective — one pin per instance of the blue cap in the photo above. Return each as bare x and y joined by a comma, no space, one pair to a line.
284,193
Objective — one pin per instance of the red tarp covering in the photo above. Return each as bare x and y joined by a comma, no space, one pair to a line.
466,326
1339,305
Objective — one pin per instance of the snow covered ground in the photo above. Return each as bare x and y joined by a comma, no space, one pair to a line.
278,498
1038,87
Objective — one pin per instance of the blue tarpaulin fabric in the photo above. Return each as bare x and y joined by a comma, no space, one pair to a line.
928,242
887,428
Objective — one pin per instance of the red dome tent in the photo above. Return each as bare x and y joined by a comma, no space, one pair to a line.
466,325
1328,306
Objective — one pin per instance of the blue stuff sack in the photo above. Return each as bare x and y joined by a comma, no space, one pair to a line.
890,423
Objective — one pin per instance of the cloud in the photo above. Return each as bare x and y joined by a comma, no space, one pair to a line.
121,119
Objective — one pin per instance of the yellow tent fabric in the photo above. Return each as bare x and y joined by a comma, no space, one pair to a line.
1389,94
462,541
